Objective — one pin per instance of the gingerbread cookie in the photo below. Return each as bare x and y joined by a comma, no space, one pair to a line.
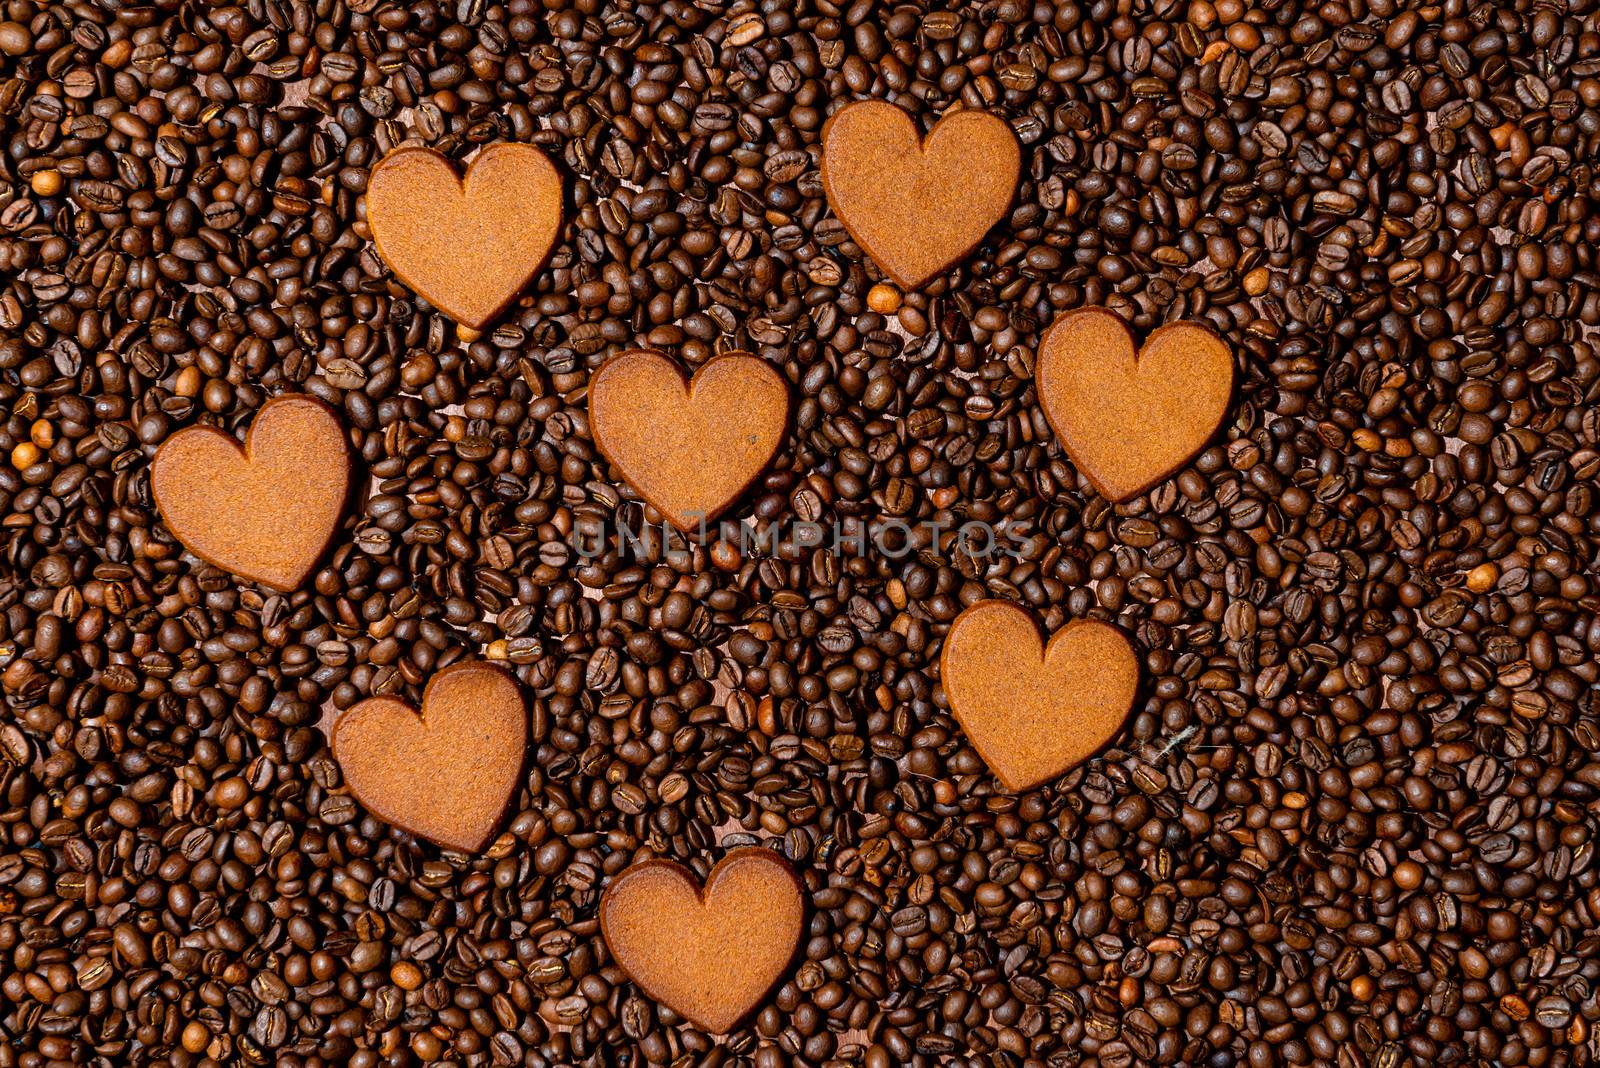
690,448
1033,711
466,245
1130,419
917,205
710,955
264,510
444,774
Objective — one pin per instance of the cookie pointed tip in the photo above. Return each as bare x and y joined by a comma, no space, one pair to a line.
282,583
463,843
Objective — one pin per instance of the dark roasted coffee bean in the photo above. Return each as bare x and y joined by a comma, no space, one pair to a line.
1349,819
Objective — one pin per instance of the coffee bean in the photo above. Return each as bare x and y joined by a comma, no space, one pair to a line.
1348,816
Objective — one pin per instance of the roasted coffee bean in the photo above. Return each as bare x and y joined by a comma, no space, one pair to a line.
1348,821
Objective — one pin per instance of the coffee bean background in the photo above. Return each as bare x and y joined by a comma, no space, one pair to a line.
1351,820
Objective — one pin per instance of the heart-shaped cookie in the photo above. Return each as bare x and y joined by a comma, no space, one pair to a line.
689,448
917,205
708,955
444,774
466,246
267,510
1130,419
1033,710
